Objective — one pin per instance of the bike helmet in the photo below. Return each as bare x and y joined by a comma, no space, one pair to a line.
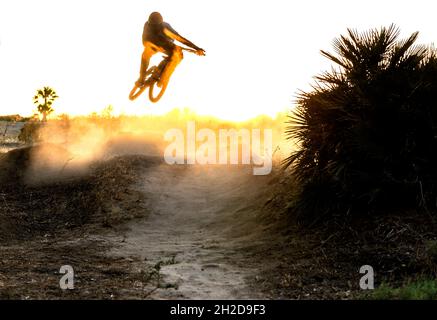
155,18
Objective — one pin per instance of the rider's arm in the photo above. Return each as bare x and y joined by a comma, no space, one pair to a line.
170,32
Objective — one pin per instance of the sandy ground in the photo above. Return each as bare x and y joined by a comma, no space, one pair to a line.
164,232
200,224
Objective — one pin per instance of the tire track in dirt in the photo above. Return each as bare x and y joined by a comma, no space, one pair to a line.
189,237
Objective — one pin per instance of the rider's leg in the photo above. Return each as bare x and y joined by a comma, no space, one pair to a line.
175,58
149,51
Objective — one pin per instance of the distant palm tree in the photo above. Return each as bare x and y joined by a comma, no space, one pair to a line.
368,129
44,99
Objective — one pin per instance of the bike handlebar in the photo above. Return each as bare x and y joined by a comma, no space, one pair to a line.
192,50
189,49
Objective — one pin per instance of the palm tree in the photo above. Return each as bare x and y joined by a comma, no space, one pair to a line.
44,99
368,130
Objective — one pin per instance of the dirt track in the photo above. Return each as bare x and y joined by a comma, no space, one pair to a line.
135,228
192,232
200,224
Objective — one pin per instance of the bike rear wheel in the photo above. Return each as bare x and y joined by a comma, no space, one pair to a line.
136,92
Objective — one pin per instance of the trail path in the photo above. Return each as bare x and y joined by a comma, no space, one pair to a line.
201,230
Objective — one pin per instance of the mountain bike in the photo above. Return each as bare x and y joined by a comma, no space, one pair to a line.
153,75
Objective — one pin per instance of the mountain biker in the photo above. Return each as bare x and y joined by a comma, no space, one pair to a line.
159,36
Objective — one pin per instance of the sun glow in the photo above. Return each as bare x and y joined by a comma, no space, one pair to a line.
259,53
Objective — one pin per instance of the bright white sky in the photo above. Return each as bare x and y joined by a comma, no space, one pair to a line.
259,52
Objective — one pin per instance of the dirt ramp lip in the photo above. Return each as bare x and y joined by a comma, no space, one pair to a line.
102,197
16,164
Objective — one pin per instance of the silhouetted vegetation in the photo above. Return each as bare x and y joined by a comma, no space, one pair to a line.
368,130
44,99
422,289
14,118
30,133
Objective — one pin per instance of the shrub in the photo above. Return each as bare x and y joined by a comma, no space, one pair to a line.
368,129
422,289
30,132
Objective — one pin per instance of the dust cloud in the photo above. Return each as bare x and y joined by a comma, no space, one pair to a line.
67,147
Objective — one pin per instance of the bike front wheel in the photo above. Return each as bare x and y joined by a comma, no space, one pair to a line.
156,98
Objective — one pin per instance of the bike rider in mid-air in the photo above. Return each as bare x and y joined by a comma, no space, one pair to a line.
159,36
